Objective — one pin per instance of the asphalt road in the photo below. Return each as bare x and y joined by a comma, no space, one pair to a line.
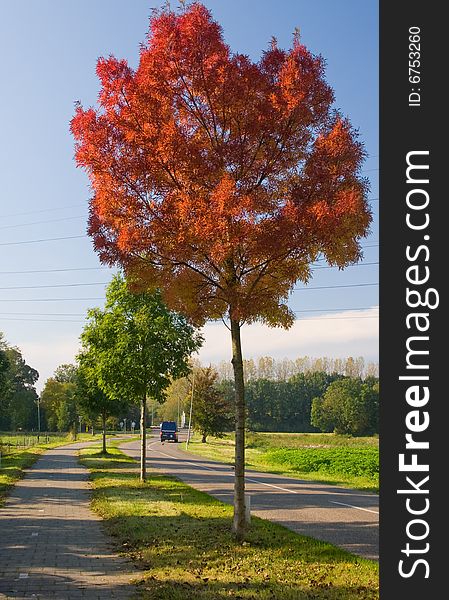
347,518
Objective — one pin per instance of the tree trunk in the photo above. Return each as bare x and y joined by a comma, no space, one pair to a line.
143,440
103,416
239,525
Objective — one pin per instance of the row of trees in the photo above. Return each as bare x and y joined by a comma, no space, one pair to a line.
18,397
283,369
307,402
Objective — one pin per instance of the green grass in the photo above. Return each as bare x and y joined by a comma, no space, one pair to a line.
326,457
15,459
181,539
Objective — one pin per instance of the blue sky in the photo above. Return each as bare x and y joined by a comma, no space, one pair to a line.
49,50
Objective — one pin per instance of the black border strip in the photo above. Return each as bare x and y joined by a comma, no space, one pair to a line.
415,123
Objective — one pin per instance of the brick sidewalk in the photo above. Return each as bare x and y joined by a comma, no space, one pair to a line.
51,544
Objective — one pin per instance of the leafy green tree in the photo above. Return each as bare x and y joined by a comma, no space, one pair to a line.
348,406
322,417
4,367
177,400
212,413
66,373
18,396
59,405
91,399
138,346
67,412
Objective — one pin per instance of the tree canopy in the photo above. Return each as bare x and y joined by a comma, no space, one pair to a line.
219,180
136,345
18,396
348,405
212,412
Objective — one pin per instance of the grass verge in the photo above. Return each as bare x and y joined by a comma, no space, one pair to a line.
329,458
181,538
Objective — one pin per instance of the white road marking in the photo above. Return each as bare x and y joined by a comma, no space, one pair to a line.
247,478
273,486
267,484
23,575
357,507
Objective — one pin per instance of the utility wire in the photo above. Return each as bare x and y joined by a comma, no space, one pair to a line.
325,287
32,212
60,285
43,320
49,299
43,222
331,287
53,270
106,268
78,321
42,210
69,237
356,265
307,310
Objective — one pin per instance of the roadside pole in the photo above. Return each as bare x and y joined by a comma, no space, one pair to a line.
190,415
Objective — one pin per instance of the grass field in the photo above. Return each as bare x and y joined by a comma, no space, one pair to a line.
15,456
181,539
327,457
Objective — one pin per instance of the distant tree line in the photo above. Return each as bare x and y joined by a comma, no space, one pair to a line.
283,369
309,401
302,395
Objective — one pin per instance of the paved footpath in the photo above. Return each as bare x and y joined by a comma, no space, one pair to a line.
51,543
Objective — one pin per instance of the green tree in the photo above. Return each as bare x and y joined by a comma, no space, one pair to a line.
66,373
67,412
91,399
348,406
177,400
4,367
138,346
18,396
59,405
212,413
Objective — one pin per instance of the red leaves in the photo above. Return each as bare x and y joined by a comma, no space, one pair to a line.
216,178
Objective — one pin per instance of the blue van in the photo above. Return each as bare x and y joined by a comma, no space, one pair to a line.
169,431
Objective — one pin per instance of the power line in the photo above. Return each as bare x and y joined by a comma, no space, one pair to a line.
326,287
307,310
49,299
53,270
42,210
338,318
78,321
60,285
31,314
331,287
70,237
357,265
43,222
106,268
43,320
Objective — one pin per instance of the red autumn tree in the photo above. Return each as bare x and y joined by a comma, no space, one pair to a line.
219,180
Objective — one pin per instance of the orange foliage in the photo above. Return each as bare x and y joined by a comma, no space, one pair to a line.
218,179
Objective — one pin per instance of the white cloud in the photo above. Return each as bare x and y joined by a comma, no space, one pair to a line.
48,355
348,333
